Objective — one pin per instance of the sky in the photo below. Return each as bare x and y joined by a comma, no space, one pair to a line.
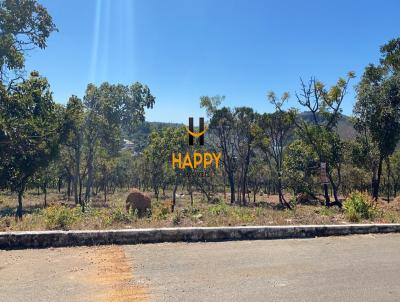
184,49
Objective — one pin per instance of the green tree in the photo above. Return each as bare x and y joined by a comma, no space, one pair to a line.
395,171
24,25
222,126
30,125
244,125
111,110
300,165
273,135
377,110
319,132
158,155
73,143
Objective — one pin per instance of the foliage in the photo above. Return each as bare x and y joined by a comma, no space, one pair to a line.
358,206
60,217
25,24
220,208
120,215
300,165
29,127
320,132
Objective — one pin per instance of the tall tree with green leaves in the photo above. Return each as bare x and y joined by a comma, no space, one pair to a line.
24,25
244,125
222,126
73,142
110,110
273,134
377,111
325,109
29,125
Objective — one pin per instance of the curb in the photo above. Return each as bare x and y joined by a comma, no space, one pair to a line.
44,239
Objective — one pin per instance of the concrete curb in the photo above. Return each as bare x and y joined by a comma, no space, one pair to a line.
43,239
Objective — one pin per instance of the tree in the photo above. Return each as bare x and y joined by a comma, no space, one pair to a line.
157,160
30,125
73,143
111,109
158,155
300,164
395,171
24,25
324,106
377,110
244,125
222,126
273,136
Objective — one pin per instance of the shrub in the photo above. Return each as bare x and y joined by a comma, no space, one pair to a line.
219,209
120,215
60,217
177,218
161,211
358,206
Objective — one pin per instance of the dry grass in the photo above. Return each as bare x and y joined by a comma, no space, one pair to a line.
112,214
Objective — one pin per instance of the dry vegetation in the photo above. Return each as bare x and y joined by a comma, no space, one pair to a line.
62,214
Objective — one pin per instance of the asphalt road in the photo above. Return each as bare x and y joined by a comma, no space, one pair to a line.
354,268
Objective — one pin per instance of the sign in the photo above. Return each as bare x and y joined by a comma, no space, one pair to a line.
323,175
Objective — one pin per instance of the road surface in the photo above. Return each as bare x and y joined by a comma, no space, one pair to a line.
354,268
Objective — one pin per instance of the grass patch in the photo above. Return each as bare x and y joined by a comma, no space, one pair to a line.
63,214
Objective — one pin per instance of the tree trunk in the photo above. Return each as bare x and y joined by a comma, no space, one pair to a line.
388,179
89,183
326,195
232,186
77,176
105,187
59,184
81,202
376,181
282,199
18,214
69,188
45,195
224,178
174,197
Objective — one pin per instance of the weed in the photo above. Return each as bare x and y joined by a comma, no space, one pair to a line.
358,206
60,217
219,209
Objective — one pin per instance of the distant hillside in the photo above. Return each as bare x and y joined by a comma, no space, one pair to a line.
140,137
345,127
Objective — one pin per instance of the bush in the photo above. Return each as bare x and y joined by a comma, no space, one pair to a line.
177,217
358,206
120,215
161,211
220,208
60,217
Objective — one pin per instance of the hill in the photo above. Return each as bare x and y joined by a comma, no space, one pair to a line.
140,137
345,127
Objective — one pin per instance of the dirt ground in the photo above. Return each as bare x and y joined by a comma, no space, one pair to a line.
63,214
68,274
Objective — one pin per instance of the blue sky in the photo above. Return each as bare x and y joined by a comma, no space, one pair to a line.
183,49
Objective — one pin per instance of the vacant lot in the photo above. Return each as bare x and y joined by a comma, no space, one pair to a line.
61,213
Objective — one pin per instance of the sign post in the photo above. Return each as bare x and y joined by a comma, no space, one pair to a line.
323,175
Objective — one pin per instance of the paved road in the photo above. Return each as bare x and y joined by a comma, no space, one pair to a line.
355,268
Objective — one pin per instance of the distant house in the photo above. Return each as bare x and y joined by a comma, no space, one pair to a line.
128,145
